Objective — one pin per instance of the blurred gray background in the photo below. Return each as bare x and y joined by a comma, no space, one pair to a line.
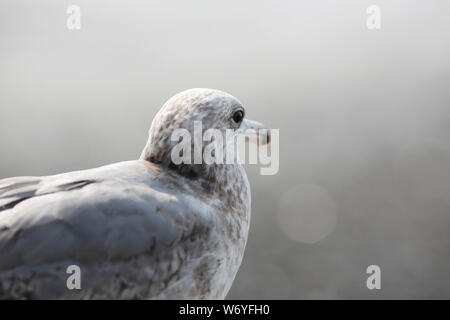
364,119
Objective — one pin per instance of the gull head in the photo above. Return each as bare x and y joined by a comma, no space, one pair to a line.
194,113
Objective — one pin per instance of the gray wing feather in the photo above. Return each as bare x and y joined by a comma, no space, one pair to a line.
15,190
79,218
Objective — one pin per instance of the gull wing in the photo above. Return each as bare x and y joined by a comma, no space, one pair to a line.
104,215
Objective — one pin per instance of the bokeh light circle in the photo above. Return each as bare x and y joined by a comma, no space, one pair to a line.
307,213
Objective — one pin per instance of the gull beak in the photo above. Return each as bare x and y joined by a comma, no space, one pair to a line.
256,132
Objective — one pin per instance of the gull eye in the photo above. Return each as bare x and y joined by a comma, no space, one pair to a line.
238,116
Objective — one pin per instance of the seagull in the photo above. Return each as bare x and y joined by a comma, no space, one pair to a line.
140,229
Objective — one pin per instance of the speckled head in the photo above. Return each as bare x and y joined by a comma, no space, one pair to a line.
214,108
